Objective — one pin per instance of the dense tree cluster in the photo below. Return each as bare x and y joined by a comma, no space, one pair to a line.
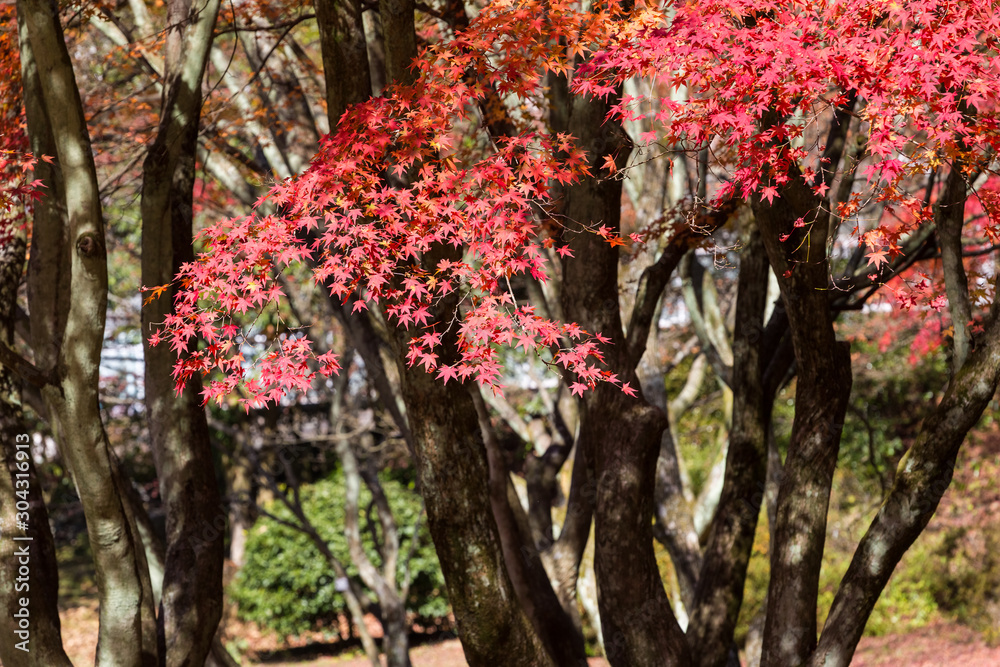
475,243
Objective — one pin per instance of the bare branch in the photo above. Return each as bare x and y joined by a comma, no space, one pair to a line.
290,23
24,369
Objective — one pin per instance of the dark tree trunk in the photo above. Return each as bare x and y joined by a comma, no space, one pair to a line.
399,39
562,639
453,476
28,569
720,585
345,55
922,477
821,394
619,435
191,604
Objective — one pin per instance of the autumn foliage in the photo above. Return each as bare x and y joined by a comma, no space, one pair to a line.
16,162
425,165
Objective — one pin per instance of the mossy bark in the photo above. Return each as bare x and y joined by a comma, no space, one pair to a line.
68,317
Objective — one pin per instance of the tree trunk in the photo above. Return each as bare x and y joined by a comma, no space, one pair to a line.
68,316
382,583
950,218
191,606
821,395
555,627
922,477
727,553
29,576
396,638
619,435
345,55
453,477
399,39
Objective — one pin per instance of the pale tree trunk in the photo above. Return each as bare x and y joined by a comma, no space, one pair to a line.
68,314
28,570
191,605
950,218
382,581
289,495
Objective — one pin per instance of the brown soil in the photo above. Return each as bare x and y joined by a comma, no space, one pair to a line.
939,645
944,645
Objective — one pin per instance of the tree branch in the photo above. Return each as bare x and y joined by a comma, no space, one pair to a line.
24,369
290,23
652,282
922,477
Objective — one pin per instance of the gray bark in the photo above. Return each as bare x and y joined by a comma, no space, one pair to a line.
381,580
950,218
191,605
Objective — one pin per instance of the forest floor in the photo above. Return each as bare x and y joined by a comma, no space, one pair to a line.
942,645
937,645
972,504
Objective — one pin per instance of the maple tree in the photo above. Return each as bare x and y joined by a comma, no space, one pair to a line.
394,182
509,186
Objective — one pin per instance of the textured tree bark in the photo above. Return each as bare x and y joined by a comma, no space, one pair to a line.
822,391
453,477
191,604
674,526
950,218
922,477
719,593
797,253
345,55
399,39
619,435
440,421
68,316
561,638
28,570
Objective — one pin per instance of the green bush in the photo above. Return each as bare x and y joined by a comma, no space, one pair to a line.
965,578
286,584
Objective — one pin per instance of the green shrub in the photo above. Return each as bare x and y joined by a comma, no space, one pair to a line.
965,578
286,584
